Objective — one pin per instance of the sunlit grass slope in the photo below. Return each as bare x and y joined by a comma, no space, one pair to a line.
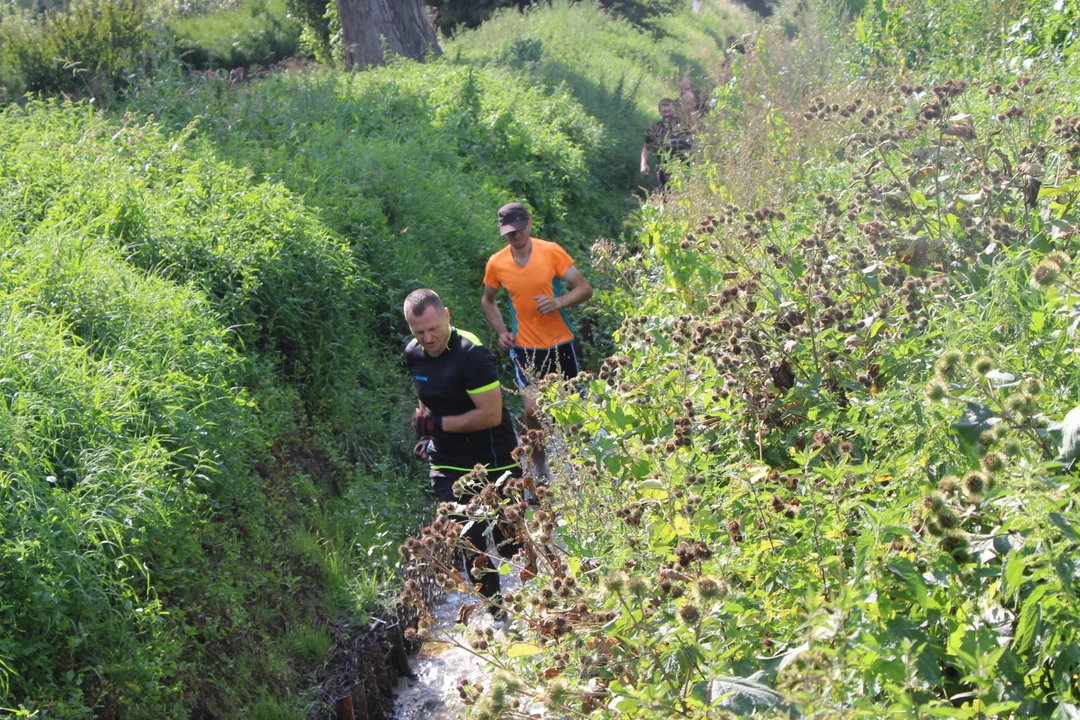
201,416
167,326
409,162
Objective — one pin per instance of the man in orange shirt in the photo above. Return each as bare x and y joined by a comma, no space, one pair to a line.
540,340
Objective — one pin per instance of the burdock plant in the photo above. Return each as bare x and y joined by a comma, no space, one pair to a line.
983,364
948,363
1045,275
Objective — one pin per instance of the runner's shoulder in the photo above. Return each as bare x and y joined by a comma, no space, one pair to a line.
500,255
468,342
546,247
413,349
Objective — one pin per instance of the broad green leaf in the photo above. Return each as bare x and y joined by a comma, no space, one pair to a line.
1066,527
523,649
1000,379
975,418
903,569
1030,615
1049,191
742,695
1014,572
653,489
1066,711
1070,436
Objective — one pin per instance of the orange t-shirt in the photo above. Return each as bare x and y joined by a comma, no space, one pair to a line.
540,276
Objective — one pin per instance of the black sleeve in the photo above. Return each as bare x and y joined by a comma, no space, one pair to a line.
481,372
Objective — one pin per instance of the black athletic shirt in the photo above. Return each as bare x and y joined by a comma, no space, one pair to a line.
444,384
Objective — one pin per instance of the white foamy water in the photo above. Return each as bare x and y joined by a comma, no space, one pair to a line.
442,663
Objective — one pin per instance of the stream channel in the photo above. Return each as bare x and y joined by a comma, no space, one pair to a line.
442,663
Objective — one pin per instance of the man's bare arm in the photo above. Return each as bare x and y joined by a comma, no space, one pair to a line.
580,291
486,414
495,318
646,150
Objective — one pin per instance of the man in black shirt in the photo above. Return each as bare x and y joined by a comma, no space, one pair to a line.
461,418
669,139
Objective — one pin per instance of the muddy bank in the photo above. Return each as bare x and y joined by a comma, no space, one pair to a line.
376,674
360,679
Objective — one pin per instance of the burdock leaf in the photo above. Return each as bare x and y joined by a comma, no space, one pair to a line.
1067,711
1070,436
742,695
1000,379
975,418
523,649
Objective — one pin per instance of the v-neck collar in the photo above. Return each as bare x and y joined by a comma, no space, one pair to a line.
532,251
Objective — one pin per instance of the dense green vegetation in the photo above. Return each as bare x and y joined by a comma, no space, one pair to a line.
256,32
451,15
169,327
203,440
90,49
829,469
407,162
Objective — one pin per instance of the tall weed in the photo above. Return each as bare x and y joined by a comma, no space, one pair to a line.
89,49
820,475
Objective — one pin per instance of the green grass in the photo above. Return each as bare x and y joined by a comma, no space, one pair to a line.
407,163
293,293
152,463
256,32
616,72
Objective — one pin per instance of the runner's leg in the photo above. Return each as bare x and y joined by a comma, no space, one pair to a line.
528,364
442,481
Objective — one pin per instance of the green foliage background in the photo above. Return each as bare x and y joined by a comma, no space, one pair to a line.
203,470
829,469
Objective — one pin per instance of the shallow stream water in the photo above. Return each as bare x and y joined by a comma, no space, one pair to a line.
441,663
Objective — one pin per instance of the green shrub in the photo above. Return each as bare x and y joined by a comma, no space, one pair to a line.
176,342
117,419
821,475
90,48
409,163
451,15
255,32
293,294
617,72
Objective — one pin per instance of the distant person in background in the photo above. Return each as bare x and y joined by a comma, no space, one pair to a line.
692,107
737,45
460,420
670,139
539,339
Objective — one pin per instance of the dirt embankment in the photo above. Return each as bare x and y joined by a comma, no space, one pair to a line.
360,679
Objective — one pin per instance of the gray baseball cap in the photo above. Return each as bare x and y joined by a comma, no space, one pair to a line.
512,218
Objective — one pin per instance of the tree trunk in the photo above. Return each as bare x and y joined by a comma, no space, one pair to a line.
403,24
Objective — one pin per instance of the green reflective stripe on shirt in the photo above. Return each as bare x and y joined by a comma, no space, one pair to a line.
479,390
487,469
470,337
